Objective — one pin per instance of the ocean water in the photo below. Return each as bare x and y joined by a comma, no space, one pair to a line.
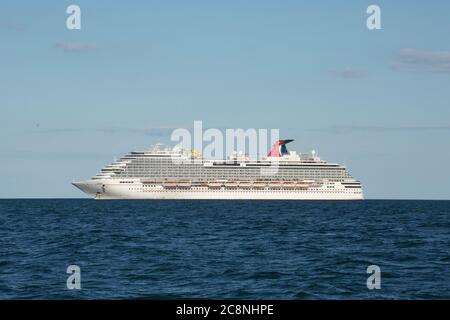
224,250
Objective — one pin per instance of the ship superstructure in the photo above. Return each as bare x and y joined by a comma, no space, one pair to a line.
185,174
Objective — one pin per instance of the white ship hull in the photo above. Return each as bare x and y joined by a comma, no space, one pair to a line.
108,190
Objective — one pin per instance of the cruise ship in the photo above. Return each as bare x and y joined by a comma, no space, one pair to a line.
184,174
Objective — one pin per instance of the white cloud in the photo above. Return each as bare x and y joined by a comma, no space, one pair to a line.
155,132
12,26
350,73
379,129
414,59
75,46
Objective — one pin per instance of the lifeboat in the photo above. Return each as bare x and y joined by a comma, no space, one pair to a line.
276,184
215,184
245,184
169,184
184,184
231,184
260,184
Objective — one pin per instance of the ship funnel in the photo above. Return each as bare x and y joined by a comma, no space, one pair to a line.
279,148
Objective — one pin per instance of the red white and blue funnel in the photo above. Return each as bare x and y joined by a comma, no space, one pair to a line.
279,148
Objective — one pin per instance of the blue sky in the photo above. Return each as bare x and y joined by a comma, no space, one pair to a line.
378,101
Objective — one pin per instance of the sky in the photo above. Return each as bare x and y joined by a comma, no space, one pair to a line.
377,101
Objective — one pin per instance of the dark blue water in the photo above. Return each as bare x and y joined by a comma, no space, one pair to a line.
218,249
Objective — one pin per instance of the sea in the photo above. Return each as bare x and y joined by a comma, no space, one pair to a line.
371,249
